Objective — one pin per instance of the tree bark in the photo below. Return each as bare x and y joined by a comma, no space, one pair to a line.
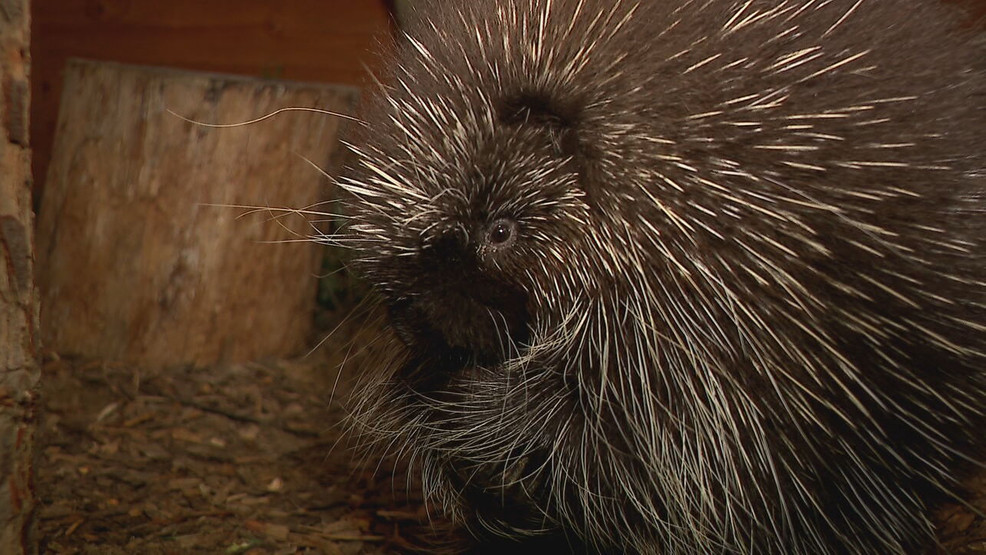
137,260
19,369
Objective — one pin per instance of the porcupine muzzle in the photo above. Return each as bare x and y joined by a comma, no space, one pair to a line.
459,313
462,316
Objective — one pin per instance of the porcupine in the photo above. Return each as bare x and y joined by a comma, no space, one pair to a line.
681,276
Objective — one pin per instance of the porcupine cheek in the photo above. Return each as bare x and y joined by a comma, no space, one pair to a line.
457,311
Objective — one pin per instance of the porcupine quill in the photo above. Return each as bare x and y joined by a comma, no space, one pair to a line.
686,276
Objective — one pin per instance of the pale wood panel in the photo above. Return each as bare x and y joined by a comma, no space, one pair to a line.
136,262
309,40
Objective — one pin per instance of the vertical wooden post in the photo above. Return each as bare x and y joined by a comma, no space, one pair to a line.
19,370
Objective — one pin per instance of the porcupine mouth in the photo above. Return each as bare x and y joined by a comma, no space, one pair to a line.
500,494
457,335
503,498
443,337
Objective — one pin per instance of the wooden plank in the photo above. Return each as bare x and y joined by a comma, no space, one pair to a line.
329,41
135,262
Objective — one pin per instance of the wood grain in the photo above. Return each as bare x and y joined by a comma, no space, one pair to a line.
329,41
19,343
139,257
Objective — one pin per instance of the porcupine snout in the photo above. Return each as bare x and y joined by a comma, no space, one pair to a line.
462,313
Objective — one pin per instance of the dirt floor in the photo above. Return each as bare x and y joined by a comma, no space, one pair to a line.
241,459
232,459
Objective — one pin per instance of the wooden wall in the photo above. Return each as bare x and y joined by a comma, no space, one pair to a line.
20,373
308,40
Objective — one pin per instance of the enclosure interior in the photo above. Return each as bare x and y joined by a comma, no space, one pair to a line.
227,454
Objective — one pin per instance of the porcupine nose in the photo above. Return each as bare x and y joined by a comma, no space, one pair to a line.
448,250
444,259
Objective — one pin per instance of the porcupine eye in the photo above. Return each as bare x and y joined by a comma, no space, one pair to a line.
501,233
